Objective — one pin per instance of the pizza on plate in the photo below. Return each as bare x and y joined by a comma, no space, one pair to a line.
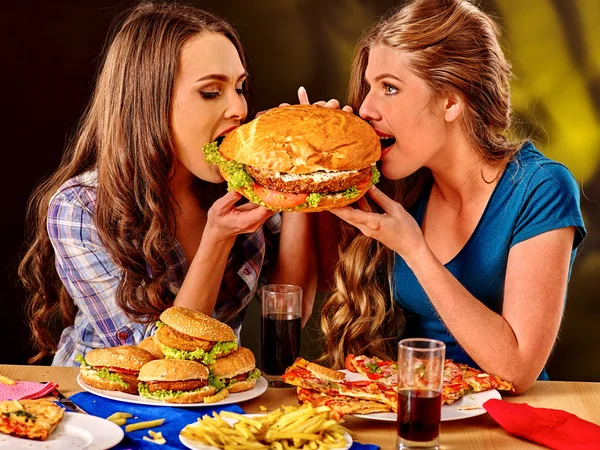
378,392
31,419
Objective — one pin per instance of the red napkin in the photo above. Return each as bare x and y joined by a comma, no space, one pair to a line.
553,428
26,389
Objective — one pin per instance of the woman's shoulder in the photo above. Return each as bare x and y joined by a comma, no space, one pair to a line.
79,190
532,168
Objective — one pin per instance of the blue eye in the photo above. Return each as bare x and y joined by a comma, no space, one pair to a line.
389,89
209,95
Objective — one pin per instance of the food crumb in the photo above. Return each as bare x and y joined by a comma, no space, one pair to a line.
262,408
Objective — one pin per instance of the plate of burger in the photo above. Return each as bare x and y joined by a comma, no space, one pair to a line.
303,158
202,364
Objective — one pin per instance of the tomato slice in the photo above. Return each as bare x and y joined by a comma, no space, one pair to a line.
365,183
278,199
349,364
117,369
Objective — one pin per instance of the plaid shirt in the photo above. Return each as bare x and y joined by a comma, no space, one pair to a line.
91,278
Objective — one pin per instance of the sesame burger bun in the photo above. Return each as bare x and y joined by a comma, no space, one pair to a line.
129,358
149,344
177,375
237,363
197,325
325,373
294,151
126,357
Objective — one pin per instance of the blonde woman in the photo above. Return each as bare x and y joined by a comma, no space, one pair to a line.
474,242
134,220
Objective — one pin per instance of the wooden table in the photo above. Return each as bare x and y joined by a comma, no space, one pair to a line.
481,432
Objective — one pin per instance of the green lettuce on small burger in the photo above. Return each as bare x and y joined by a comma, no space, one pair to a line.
187,334
175,381
113,368
304,158
237,371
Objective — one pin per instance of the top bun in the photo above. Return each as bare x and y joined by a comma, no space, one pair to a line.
303,139
234,364
173,370
125,357
196,324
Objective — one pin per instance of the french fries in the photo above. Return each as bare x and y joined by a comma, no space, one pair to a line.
119,418
291,427
155,437
6,380
141,425
222,394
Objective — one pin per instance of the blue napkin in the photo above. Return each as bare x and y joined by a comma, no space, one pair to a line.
359,446
175,420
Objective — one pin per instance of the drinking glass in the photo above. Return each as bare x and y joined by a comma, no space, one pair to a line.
281,314
420,381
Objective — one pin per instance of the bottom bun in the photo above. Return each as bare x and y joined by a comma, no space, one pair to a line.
242,386
106,385
328,201
191,397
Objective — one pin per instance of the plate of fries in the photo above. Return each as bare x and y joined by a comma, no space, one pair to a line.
289,427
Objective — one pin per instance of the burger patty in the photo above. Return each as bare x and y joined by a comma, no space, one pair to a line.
241,377
188,385
170,337
321,182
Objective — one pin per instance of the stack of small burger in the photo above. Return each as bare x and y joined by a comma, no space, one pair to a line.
202,359
192,358
187,334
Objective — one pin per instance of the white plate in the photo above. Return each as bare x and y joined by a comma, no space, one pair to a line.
74,431
454,411
259,388
196,445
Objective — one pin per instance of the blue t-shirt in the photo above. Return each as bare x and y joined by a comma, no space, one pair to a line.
534,195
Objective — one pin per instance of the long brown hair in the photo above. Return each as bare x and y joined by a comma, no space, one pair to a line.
125,135
454,47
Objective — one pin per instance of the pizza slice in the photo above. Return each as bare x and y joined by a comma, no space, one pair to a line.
384,372
31,419
341,403
314,377
480,381
454,387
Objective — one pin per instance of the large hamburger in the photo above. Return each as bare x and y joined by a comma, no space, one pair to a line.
187,334
175,381
113,368
299,158
237,371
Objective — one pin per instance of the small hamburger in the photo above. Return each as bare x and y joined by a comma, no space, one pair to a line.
175,381
187,334
149,344
237,371
113,368
303,158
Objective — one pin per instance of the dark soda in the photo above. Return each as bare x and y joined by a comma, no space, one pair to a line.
280,342
419,414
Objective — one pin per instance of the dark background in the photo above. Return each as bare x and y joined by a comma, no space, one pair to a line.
52,51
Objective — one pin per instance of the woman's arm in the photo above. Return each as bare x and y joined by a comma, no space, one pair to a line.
200,288
89,275
516,344
296,261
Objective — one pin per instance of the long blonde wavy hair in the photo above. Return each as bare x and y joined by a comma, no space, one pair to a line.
125,135
455,48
